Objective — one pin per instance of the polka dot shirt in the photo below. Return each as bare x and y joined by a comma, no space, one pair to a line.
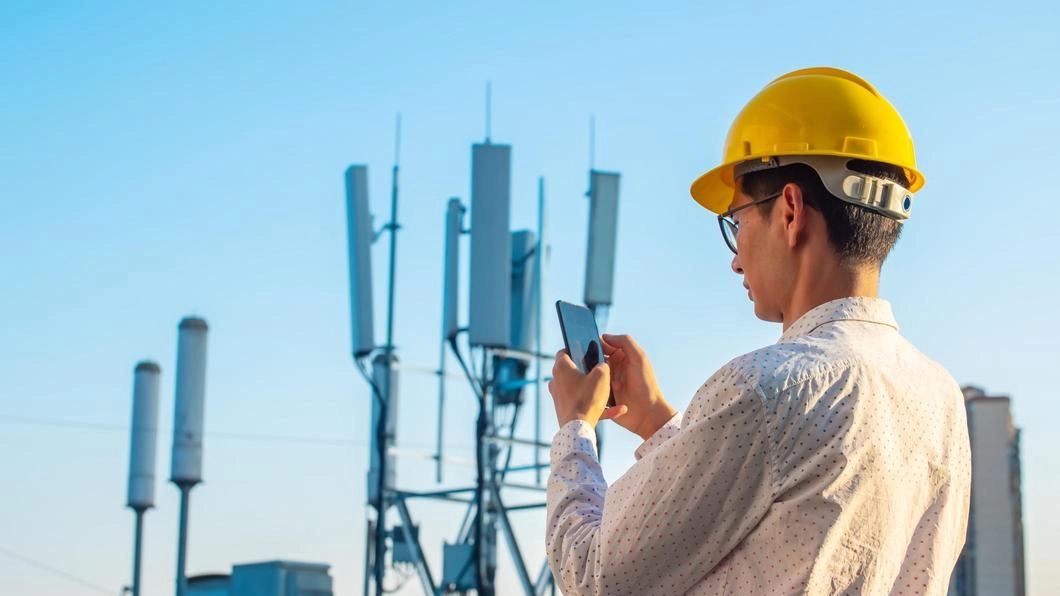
835,461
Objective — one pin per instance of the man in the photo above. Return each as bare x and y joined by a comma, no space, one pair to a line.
835,461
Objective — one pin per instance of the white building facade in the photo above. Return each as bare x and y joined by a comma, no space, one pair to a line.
992,563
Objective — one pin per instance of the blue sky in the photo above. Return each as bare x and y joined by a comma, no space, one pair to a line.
166,160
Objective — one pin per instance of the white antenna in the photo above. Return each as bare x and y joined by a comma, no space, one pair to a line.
359,237
144,434
189,406
143,443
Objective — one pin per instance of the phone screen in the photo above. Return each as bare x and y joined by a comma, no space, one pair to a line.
581,336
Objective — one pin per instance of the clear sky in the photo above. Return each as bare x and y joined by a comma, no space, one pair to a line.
158,161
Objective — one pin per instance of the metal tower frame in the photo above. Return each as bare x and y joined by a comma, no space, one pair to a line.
494,445
470,563
494,442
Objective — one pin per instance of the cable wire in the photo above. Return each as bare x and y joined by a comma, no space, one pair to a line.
56,572
265,438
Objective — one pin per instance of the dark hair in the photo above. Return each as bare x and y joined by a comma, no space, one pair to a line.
860,236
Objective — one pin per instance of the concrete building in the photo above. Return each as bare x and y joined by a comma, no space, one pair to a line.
269,578
992,561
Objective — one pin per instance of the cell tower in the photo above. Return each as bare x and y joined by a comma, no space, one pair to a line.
504,328
188,414
143,444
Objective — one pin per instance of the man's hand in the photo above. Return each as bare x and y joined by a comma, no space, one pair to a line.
578,396
635,387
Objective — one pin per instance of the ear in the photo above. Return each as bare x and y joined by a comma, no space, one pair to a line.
793,214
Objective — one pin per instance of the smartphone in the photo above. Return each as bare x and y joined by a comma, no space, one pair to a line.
582,338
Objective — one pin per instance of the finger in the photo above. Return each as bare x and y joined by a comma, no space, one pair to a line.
563,362
601,370
614,412
618,356
624,342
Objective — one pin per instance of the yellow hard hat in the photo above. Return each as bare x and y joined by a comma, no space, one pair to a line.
811,112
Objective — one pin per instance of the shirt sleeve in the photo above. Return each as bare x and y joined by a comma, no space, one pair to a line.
664,434
676,513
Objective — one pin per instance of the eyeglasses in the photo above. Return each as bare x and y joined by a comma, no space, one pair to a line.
728,225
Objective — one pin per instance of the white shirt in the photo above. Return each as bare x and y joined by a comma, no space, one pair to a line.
835,461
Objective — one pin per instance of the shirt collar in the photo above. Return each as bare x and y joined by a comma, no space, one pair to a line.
855,308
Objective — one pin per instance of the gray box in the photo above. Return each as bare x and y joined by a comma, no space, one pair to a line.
403,551
458,567
281,578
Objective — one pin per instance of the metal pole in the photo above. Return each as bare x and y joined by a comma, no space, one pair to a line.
380,504
544,578
441,414
537,332
368,549
414,545
137,550
480,486
513,545
393,249
381,438
182,541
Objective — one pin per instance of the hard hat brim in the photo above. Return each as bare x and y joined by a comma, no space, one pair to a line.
714,189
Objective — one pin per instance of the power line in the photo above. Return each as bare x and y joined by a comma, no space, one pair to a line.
268,438
234,436
56,572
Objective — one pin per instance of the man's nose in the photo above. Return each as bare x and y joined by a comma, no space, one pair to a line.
736,268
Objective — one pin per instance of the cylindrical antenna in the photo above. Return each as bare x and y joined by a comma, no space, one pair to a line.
144,437
142,448
189,403
188,414
539,264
